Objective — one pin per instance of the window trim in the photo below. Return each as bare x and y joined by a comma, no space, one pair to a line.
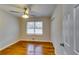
34,27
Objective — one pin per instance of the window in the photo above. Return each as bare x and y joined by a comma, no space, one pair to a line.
35,28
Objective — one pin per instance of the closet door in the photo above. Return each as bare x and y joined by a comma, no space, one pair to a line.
76,29
68,29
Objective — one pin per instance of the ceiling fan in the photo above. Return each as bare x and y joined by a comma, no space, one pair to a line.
26,13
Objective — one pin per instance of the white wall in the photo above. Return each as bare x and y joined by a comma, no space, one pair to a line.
46,29
9,29
56,29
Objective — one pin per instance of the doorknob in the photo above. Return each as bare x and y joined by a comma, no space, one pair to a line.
62,44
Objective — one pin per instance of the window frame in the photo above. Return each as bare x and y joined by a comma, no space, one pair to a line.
34,28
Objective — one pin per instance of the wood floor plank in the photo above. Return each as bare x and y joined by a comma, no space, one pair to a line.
20,48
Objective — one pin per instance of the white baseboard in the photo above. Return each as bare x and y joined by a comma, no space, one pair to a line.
35,40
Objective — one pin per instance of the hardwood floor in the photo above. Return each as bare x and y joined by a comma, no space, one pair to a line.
20,48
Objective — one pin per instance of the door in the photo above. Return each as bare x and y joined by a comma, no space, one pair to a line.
71,29
68,29
76,29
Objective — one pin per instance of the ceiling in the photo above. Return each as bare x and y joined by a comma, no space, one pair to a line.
35,9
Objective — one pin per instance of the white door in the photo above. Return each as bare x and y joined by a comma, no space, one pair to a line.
71,29
68,29
76,29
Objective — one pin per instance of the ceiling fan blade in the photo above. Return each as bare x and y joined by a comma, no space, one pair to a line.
16,12
25,10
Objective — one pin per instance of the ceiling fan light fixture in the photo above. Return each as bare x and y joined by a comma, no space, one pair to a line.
25,16
25,13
